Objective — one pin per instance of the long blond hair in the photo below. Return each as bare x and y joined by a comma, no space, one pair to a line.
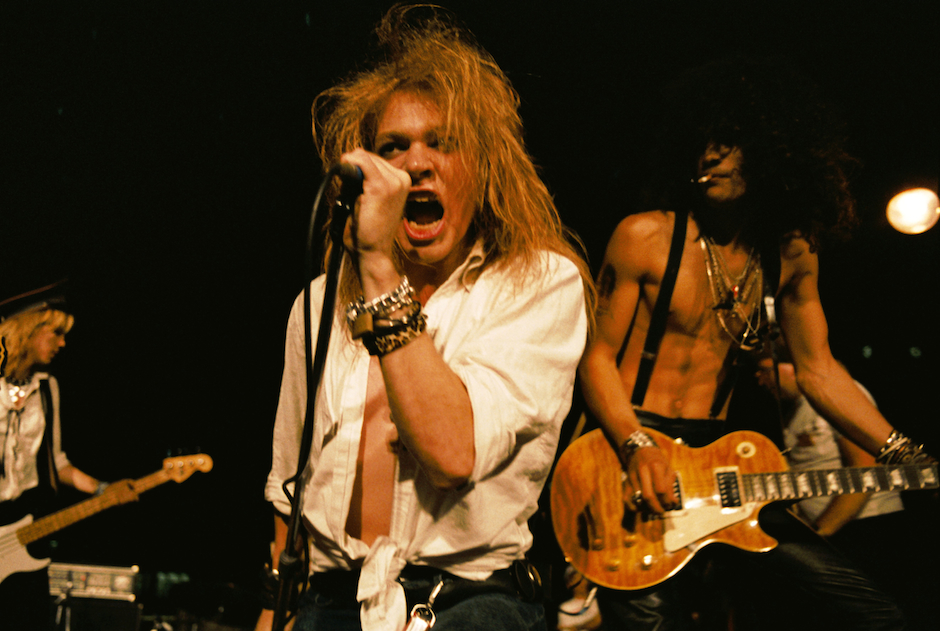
426,53
18,330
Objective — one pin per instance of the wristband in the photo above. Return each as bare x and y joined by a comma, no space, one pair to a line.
385,339
899,449
636,441
383,306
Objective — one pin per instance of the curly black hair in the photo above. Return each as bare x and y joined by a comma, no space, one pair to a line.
795,164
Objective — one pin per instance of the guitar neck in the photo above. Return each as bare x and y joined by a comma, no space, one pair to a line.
68,516
795,485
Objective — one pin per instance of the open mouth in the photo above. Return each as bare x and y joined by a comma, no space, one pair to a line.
424,216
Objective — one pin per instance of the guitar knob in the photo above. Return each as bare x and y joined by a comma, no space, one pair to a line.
647,562
613,565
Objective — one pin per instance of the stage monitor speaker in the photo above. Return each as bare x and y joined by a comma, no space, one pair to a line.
93,581
97,614
94,597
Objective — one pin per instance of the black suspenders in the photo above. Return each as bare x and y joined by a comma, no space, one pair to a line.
660,310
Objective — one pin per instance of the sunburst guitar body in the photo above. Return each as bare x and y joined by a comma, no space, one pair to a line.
721,488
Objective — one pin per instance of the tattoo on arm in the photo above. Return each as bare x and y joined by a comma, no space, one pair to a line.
606,282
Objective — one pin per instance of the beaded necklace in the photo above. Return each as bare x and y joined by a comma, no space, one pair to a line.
736,300
17,391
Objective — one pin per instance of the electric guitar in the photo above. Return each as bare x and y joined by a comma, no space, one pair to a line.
721,488
15,537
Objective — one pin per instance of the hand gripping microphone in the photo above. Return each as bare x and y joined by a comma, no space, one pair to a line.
352,177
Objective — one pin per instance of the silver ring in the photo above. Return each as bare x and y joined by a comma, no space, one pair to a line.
638,497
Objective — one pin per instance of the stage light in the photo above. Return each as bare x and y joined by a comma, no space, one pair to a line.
914,211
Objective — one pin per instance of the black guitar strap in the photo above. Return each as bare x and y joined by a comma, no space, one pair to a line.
45,461
660,310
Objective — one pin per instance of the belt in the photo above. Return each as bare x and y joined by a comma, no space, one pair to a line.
520,580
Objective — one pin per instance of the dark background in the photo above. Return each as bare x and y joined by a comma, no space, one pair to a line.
159,155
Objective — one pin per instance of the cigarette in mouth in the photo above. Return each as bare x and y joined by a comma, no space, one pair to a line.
704,178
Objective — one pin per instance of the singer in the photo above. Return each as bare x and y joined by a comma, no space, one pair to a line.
759,166
461,318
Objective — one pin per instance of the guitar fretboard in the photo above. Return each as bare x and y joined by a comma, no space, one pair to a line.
68,516
787,485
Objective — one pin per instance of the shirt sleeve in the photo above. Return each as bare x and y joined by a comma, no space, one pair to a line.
292,402
519,363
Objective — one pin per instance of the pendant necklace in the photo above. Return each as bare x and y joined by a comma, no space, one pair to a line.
736,300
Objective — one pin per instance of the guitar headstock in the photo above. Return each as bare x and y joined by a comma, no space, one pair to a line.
181,467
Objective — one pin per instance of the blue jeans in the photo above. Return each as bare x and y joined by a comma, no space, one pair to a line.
496,612
802,582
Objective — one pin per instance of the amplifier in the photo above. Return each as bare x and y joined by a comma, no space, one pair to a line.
96,614
93,581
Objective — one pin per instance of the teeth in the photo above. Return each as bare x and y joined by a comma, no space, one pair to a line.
423,226
423,209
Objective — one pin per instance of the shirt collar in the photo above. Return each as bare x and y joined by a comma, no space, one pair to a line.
470,269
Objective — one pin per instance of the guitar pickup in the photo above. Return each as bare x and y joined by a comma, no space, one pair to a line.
728,488
677,489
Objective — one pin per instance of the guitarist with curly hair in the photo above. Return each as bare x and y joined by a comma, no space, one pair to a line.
752,174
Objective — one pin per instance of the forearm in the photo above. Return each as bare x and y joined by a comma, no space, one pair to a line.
278,545
841,510
431,410
606,396
78,479
834,394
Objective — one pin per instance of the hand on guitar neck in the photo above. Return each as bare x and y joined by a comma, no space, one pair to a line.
15,537
122,491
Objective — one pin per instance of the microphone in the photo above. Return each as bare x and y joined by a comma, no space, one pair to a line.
352,177
349,191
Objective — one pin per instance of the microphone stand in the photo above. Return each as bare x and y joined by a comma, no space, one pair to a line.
292,570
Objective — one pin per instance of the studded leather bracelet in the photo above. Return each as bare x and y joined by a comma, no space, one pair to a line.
391,334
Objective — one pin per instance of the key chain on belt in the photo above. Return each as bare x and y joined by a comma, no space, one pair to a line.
422,616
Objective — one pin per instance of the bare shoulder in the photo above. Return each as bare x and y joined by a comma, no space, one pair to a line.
798,260
645,225
794,247
640,240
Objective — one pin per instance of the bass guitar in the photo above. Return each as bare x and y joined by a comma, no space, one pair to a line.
721,488
15,537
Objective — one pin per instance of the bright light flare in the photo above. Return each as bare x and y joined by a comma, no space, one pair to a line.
914,211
